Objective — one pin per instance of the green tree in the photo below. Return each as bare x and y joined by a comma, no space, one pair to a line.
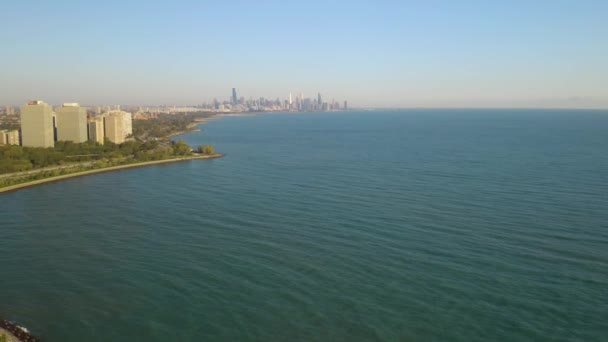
206,149
180,148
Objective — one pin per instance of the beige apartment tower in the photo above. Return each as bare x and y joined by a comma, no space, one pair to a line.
127,123
12,137
117,126
71,123
96,129
37,127
9,137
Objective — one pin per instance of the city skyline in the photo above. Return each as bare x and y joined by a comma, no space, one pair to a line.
233,103
381,54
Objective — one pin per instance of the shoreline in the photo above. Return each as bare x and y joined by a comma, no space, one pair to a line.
11,332
16,187
193,126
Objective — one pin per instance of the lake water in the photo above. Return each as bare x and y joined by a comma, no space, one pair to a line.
415,225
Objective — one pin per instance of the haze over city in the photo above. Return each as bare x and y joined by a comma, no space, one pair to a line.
376,54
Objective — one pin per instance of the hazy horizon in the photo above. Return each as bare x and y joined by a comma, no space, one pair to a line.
384,54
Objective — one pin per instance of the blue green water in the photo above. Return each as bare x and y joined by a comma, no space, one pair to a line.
419,225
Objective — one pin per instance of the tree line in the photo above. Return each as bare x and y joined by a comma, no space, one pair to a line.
165,125
18,158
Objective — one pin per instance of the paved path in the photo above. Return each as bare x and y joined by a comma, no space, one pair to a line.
107,169
48,168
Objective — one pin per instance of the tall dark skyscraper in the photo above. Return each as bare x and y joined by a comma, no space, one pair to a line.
319,99
234,100
345,105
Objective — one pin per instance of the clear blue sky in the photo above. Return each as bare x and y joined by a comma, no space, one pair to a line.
373,53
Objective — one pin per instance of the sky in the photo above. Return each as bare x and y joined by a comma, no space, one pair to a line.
372,53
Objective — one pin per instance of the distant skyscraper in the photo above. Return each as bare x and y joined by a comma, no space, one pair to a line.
345,105
319,99
71,123
37,128
234,100
290,99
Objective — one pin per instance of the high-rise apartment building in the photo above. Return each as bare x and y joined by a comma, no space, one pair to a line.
13,137
71,123
96,129
113,128
345,105
9,137
37,127
234,101
128,123
117,126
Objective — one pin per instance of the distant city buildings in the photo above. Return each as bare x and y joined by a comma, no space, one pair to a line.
41,126
140,116
263,104
9,110
37,124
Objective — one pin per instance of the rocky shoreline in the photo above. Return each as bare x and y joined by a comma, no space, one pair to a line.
11,332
